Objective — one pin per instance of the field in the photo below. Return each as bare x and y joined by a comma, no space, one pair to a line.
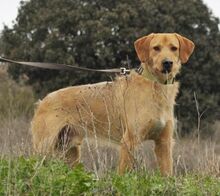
196,160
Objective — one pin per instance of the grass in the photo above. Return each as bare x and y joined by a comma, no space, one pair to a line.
40,176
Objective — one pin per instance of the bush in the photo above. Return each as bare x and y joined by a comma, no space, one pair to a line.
42,177
16,100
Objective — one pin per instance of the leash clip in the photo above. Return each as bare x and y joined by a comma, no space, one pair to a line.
124,71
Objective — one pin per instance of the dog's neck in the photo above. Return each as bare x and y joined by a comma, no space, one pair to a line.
146,73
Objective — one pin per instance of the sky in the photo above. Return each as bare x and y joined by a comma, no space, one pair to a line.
9,8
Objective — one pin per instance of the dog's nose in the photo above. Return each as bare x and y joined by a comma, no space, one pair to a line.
167,65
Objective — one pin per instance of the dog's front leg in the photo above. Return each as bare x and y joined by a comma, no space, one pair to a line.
126,162
163,150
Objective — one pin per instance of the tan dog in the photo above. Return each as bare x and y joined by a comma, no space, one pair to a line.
128,111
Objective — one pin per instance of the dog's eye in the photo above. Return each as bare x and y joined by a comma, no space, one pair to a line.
156,48
173,48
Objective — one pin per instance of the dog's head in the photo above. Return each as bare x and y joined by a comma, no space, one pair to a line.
163,53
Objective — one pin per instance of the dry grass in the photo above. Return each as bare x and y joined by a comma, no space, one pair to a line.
189,154
15,138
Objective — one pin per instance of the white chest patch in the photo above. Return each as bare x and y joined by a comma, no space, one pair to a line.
157,127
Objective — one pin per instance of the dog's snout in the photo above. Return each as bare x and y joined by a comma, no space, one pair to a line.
167,65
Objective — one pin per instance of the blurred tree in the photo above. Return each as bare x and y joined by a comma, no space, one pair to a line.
100,34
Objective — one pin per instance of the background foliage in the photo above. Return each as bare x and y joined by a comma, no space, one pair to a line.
100,34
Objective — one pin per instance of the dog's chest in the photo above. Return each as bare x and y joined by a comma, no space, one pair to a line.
156,128
149,111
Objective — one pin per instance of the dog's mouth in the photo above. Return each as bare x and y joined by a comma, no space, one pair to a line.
163,75
166,72
163,72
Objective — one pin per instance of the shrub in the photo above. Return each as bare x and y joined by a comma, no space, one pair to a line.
16,100
42,177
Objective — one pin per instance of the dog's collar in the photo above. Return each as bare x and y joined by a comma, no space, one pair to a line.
148,75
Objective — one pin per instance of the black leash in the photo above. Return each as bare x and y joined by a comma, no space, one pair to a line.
121,70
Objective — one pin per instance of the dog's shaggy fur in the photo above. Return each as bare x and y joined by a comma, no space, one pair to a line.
127,111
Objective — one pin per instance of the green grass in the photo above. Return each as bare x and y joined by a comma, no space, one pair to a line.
39,176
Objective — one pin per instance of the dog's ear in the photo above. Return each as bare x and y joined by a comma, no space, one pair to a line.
186,48
142,47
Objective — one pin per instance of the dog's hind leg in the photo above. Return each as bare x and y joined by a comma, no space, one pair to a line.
72,156
68,145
